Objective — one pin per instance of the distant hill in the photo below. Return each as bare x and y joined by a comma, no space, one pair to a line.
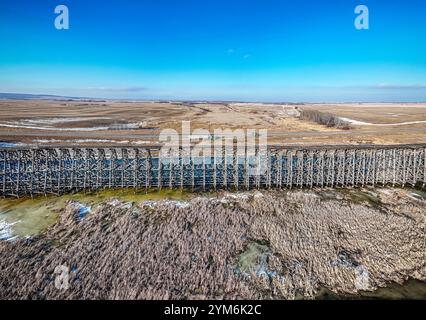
27,96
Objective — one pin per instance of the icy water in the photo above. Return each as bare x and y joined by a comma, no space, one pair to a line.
27,217
412,289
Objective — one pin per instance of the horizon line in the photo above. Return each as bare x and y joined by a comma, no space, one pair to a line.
46,97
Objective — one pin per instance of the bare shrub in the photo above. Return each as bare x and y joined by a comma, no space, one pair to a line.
324,118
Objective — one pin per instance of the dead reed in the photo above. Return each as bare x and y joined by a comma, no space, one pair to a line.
174,250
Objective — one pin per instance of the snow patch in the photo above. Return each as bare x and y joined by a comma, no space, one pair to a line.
5,144
46,141
81,210
6,231
174,203
362,280
363,123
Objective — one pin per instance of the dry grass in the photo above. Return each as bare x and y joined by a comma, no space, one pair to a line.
174,251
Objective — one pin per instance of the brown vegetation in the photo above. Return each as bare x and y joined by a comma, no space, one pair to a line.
247,245
324,118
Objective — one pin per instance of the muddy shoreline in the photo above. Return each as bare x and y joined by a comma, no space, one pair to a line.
249,245
409,290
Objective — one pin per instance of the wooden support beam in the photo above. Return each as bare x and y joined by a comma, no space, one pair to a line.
404,163
171,166
343,182
311,161
364,168
181,165
414,181
424,167
32,172
159,174
135,170
353,167
46,169
192,175
322,157
394,166
215,173
290,165
235,168
148,172
204,173
5,172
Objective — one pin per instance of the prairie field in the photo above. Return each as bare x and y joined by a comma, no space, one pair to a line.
75,122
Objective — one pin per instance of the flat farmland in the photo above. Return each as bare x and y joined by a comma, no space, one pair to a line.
376,113
75,122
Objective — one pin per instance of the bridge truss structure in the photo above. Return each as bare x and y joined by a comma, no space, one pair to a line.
58,170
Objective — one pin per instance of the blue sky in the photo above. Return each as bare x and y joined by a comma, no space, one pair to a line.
253,50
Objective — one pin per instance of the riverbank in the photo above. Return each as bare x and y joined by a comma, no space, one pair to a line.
251,245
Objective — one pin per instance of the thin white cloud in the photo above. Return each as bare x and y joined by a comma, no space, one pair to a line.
118,89
401,86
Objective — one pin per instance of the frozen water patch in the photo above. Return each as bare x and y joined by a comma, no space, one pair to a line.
81,210
5,144
6,233
362,280
254,260
416,195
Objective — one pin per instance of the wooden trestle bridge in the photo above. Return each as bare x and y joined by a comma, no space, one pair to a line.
57,170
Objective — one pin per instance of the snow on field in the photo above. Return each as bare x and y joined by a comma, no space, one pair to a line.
60,120
46,141
362,123
25,126
48,124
